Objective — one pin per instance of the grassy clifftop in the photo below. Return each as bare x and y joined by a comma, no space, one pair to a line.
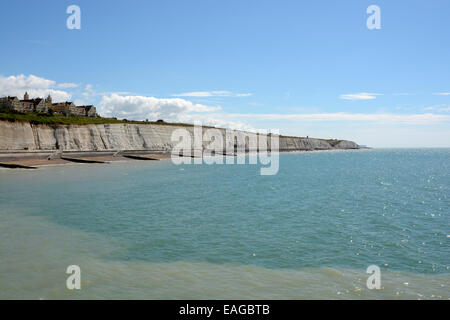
47,119
43,118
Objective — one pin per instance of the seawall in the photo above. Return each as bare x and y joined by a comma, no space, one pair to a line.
19,136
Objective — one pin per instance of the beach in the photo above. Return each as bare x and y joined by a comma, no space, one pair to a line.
44,158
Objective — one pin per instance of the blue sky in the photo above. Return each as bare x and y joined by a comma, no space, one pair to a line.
304,67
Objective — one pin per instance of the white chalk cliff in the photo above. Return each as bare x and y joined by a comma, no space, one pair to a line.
124,136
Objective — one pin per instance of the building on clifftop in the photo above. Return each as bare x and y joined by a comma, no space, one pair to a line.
40,105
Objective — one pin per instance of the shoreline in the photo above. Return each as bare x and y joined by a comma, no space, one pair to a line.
41,158
36,159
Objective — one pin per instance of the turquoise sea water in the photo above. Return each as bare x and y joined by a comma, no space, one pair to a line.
157,230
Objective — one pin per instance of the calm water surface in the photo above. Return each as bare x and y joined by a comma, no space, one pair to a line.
156,230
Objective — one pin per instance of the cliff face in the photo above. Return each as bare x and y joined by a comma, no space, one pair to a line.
26,136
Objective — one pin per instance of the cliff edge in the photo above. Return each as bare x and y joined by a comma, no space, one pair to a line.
123,136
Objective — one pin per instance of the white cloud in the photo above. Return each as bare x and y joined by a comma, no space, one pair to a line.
121,93
442,94
89,91
141,107
67,85
215,120
359,96
79,102
181,110
203,94
10,85
57,95
172,110
35,86
195,94
423,118
439,108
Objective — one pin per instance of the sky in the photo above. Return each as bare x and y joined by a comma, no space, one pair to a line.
307,68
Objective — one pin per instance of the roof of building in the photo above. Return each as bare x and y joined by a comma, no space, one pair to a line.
37,100
9,98
87,107
64,103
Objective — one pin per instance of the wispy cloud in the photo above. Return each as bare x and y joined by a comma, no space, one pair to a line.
360,96
89,92
67,85
439,108
203,94
442,94
342,116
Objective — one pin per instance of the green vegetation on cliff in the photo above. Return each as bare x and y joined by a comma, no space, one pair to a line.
51,120
48,119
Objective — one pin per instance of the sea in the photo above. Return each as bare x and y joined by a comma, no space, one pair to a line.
157,230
